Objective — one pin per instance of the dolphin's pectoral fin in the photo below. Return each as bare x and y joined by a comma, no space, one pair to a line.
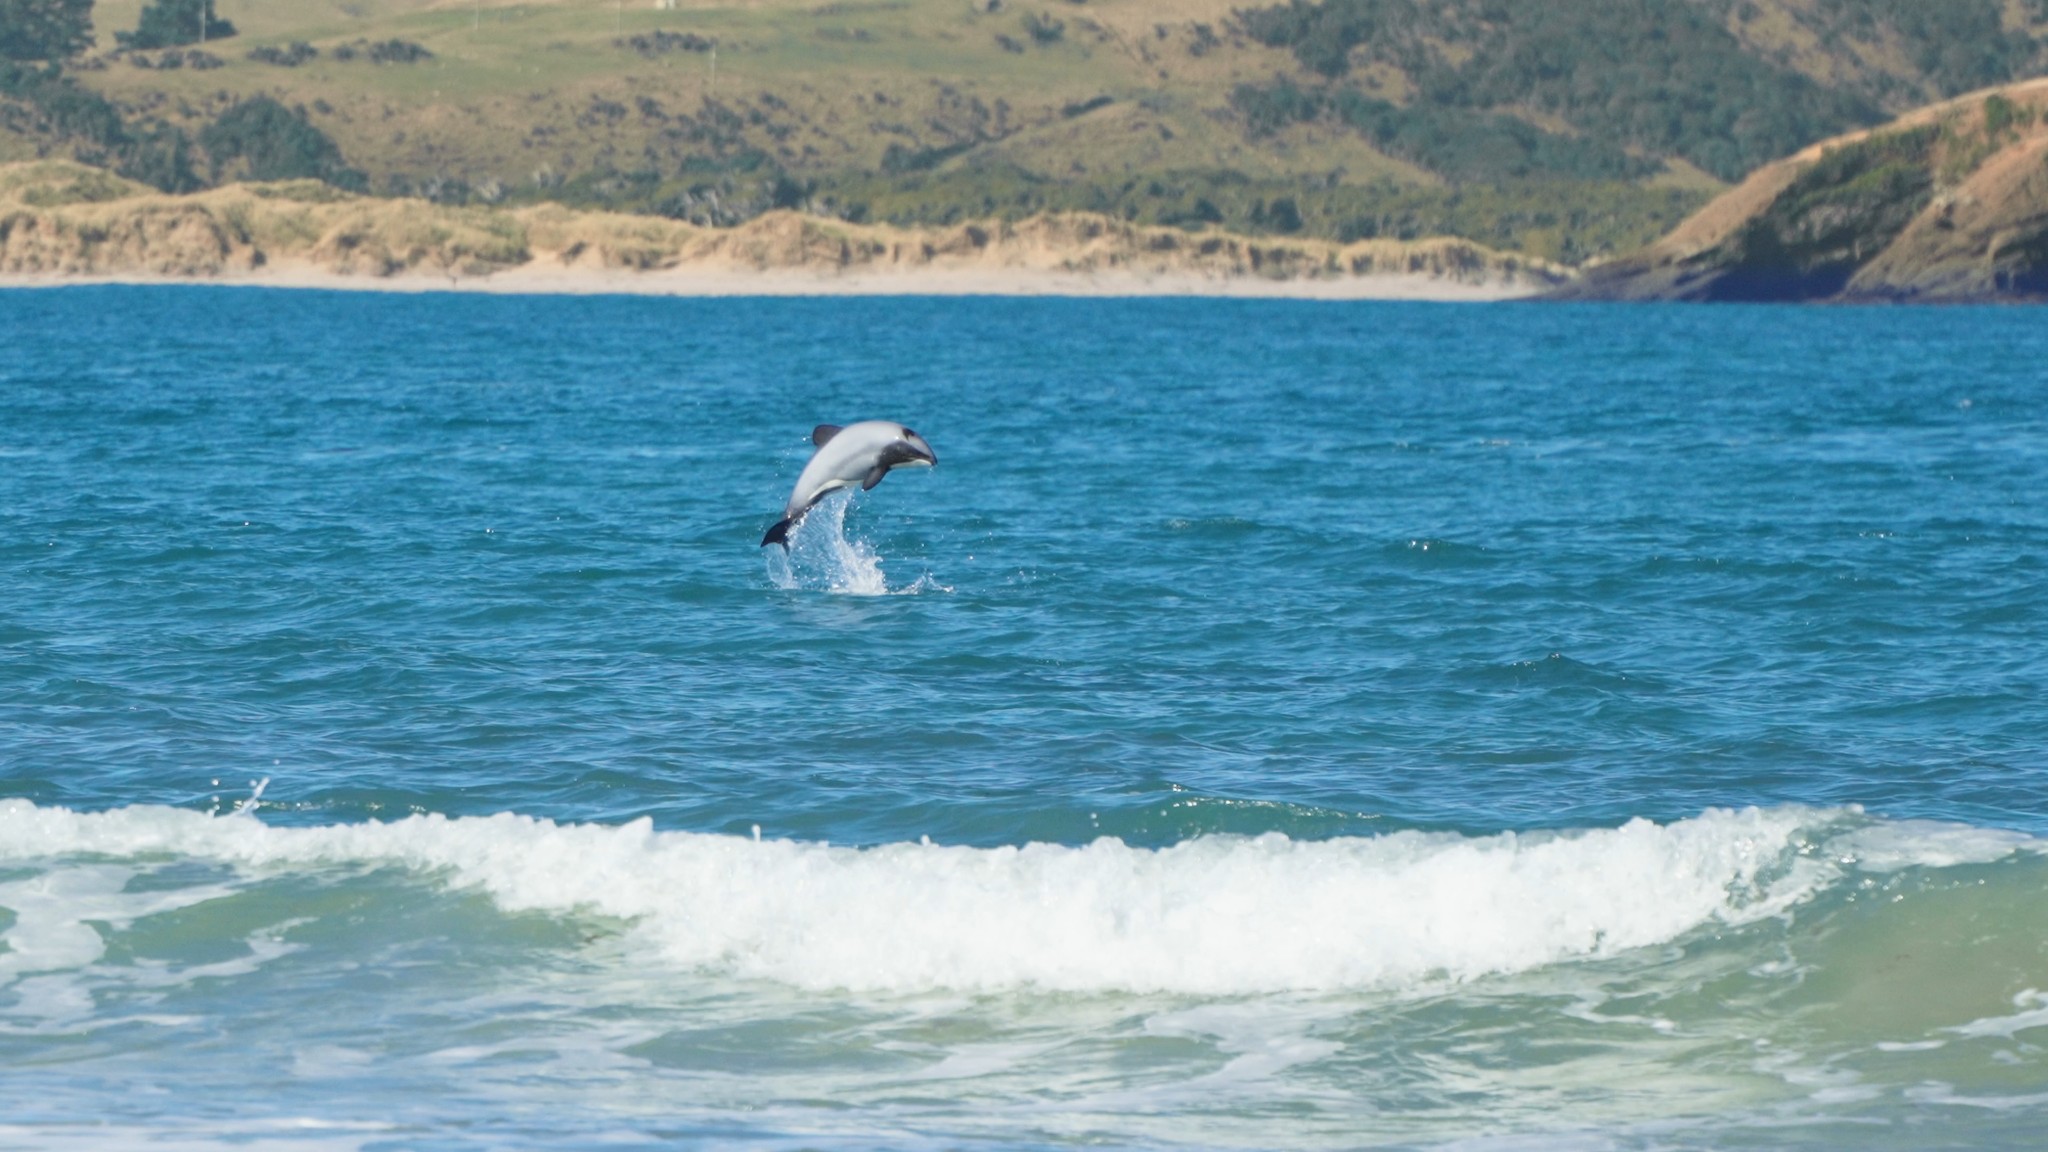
822,433
779,534
874,476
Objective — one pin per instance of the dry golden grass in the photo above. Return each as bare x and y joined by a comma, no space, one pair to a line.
520,94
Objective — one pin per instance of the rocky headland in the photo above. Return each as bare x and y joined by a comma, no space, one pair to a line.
1948,204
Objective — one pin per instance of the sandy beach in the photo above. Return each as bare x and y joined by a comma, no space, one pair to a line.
539,278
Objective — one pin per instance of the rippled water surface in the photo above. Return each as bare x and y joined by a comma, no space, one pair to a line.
1271,725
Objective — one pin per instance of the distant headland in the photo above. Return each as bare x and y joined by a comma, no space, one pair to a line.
1947,204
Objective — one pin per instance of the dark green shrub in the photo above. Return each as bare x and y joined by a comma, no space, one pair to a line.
382,52
2001,114
1957,44
175,23
398,52
1282,215
1460,144
66,109
161,156
660,43
44,29
261,139
1043,30
788,193
291,56
1659,76
896,158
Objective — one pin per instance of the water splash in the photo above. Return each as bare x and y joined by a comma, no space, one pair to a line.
821,558
248,807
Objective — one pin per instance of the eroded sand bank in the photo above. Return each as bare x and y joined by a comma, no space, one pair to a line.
63,223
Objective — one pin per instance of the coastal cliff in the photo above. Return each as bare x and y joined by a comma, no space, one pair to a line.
1946,204
64,221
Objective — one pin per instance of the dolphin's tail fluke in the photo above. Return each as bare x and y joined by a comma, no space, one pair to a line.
779,534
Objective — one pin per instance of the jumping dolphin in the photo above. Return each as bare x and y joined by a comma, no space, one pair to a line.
859,454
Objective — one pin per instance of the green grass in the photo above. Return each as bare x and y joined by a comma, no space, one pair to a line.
915,111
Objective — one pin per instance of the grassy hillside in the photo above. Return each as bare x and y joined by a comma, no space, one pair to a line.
1568,131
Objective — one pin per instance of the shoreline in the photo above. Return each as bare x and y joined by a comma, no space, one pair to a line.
538,278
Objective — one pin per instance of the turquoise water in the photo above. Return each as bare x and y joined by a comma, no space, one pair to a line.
1273,725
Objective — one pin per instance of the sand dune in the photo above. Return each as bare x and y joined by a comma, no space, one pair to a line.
62,222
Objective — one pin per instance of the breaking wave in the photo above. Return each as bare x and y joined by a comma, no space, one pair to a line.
1212,915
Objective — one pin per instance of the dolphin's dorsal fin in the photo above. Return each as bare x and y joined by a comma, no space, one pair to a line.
874,477
822,433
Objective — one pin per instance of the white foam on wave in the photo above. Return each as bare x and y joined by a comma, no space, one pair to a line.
1213,915
2031,1013
245,1134
1900,844
54,913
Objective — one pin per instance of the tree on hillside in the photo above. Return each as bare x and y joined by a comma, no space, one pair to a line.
44,29
261,139
70,118
169,23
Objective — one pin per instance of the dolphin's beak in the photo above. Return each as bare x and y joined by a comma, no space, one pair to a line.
922,450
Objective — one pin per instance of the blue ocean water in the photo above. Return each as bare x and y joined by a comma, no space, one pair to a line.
1272,725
